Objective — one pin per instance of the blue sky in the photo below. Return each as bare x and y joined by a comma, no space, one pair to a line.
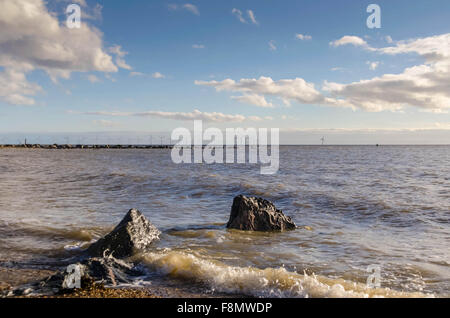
165,63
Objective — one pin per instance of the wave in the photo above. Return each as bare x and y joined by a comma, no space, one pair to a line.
38,230
251,281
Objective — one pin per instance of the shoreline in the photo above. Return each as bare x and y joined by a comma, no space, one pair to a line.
12,278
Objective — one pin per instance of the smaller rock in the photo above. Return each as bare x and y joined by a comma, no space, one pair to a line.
257,214
107,271
110,270
134,232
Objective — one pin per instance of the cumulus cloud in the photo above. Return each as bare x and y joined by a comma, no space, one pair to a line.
290,89
184,116
32,38
349,39
424,86
15,89
303,36
253,99
433,49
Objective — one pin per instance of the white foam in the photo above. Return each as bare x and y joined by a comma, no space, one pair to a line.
269,282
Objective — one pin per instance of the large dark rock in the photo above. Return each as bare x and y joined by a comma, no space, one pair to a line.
257,214
134,232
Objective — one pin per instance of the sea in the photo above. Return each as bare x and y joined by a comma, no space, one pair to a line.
371,221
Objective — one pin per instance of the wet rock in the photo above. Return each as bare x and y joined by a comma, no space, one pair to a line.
83,275
257,214
134,232
109,270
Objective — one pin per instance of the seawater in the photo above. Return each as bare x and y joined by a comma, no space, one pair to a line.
355,206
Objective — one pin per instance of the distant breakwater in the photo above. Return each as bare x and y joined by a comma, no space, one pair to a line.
67,146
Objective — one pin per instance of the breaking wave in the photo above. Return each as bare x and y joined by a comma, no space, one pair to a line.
251,281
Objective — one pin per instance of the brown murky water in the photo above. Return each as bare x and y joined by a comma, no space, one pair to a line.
355,206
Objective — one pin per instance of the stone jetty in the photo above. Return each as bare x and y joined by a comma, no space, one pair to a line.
68,146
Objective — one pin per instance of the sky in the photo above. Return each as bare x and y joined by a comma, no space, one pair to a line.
311,68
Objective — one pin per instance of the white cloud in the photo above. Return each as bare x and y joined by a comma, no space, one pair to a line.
253,99
389,39
303,36
194,115
32,38
290,89
252,17
198,46
425,86
154,75
188,7
117,50
15,89
349,39
433,49
192,8
157,75
272,45
238,14
373,65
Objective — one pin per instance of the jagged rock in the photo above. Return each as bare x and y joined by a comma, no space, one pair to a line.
257,214
134,232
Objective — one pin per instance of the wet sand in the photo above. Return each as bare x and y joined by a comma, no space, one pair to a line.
99,291
13,277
